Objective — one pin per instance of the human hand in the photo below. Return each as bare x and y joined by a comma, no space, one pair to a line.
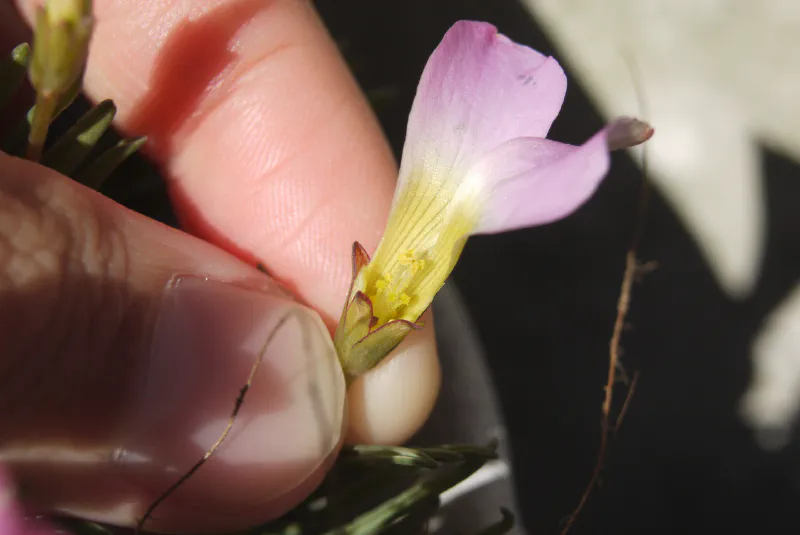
271,153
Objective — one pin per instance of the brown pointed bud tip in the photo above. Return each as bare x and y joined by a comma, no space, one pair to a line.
360,258
627,132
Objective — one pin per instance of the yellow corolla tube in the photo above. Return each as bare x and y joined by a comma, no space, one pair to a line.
422,242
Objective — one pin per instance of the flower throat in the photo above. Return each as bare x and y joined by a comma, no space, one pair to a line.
393,289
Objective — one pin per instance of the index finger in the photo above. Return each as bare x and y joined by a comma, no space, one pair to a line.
269,148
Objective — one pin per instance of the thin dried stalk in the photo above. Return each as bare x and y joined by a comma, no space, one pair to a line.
632,270
231,420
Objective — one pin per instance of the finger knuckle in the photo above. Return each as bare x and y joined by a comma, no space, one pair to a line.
61,257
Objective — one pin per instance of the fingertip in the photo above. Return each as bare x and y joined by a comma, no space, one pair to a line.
391,402
162,332
287,431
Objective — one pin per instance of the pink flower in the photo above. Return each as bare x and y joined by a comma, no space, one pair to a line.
475,161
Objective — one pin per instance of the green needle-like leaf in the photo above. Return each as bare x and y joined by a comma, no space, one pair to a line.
72,148
65,100
395,455
16,141
428,487
101,168
12,72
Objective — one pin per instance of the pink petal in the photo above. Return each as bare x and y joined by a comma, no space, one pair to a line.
531,181
478,90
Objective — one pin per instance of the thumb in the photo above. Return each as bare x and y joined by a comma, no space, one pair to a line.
126,343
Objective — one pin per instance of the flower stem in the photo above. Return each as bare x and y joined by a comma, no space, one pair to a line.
40,124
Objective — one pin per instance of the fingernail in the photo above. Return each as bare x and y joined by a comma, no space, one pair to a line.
207,338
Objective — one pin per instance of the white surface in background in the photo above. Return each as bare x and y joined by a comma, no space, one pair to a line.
487,474
717,76
773,398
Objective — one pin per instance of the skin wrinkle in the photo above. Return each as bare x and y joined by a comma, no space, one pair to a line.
32,261
52,254
106,257
272,182
10,252
259,238
226,85
332,272
194,51
93,243
226,82
281,156
25,379
272,158
304,224
329,197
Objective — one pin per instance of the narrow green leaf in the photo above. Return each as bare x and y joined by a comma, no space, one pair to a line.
72,148
458,452
414,520
380,489
68,97
16,141
427,487
394,455
63,101
101,168
12,72
384,498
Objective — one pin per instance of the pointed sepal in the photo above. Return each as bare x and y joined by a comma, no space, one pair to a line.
12,72
360,259
373,348
72,148
95,174
360,343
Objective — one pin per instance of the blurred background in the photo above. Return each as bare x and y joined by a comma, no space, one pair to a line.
708,444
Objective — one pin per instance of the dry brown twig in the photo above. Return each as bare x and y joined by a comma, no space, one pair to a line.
633,272
148,514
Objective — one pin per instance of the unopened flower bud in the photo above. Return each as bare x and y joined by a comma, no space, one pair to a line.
60,45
